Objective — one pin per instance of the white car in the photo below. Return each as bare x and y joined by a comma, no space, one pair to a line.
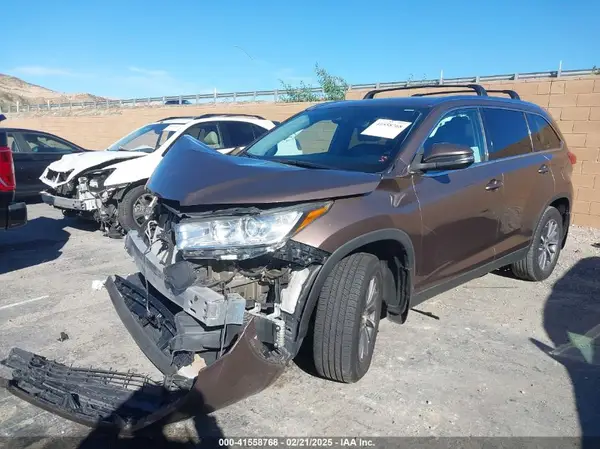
109,186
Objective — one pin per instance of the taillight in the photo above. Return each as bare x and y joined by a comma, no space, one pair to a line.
7,170
572,157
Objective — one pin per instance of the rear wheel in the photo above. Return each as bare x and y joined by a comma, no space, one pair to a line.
133,208
347,318
545,248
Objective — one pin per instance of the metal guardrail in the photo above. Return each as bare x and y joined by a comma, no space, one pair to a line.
275,95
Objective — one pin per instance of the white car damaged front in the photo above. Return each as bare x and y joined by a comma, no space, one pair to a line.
77,182
109,186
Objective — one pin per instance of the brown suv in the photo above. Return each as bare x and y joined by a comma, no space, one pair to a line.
343,213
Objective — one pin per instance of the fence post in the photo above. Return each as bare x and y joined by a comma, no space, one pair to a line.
215,95
17,106
180,103
254,97
107,104
276,95
235,97
197,98
48,101
559,73
441,76
133,102
148,101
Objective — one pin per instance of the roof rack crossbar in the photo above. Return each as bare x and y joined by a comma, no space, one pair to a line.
511,93
476,87
225,114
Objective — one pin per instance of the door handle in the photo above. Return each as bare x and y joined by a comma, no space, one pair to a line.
494,184
543,169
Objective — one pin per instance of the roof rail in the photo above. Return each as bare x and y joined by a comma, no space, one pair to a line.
476,87
183,117
427,94
511,93
225,114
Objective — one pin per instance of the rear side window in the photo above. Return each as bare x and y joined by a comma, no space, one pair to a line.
12,143
543,136
506,132
240,133
259,131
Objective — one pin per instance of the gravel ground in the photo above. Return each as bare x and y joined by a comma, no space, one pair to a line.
482,369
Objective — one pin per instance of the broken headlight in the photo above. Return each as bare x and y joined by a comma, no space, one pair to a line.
243,237
97,178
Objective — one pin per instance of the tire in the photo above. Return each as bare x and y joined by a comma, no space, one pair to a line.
531,267
339,318
125,213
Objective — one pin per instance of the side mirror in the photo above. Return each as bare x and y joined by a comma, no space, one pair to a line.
446,156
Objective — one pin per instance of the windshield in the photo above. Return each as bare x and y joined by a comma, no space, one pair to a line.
147,138
359,138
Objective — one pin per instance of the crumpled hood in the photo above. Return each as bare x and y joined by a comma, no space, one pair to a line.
79,162
193,175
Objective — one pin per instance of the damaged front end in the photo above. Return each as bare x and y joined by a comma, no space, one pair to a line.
86,196
220,329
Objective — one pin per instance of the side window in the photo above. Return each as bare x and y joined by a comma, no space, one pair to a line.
40,143
259,131
193,131
543,136
12,143
507,133
208,133
460,127
239,133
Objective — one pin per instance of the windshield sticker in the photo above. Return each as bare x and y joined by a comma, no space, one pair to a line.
173,128
385,128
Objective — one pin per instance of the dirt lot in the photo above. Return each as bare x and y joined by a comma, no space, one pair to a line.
481,369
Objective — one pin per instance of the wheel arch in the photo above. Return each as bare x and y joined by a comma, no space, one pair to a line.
383,242
122,191
562,202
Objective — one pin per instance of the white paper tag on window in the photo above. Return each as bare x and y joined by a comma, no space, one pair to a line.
385,128
173,128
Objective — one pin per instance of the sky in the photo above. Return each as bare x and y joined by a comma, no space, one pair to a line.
139,48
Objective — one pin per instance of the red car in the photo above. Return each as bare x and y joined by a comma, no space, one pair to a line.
12,214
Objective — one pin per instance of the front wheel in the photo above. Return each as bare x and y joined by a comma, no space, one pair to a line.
133,208
545,248
347,318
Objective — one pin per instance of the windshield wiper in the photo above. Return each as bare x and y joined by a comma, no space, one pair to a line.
298,163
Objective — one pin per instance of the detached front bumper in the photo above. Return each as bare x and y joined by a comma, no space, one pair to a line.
131,401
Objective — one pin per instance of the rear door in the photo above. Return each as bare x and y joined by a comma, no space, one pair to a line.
528,182
35,152
459,208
